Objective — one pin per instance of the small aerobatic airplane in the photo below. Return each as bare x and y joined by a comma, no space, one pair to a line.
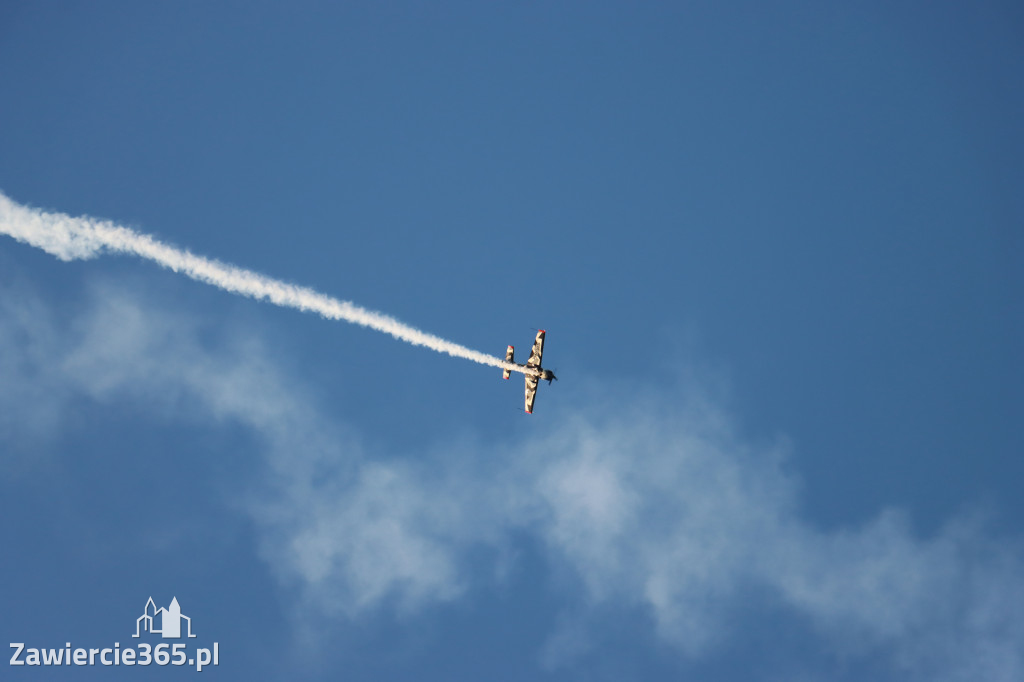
532,369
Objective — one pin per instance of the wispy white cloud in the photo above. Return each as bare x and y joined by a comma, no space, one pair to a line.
661,508
28,342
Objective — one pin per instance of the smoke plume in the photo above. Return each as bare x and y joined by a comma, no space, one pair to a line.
69,238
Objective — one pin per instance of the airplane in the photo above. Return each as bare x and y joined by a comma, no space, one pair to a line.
532,369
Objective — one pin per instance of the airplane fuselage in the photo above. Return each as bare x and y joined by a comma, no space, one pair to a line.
539,372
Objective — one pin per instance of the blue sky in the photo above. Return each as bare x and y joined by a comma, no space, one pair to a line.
778,254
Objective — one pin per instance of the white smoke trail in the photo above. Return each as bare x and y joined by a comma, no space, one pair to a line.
70,238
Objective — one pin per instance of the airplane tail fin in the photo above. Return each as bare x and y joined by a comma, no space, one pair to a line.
509,357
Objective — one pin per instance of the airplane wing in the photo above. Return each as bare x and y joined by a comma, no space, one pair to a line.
538,350
531,387
510,356
531,380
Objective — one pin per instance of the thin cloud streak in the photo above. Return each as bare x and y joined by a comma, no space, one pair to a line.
81,238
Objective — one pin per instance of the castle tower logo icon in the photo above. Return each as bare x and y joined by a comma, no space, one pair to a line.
169,620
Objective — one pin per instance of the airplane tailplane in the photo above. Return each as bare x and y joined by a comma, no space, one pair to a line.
509,357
